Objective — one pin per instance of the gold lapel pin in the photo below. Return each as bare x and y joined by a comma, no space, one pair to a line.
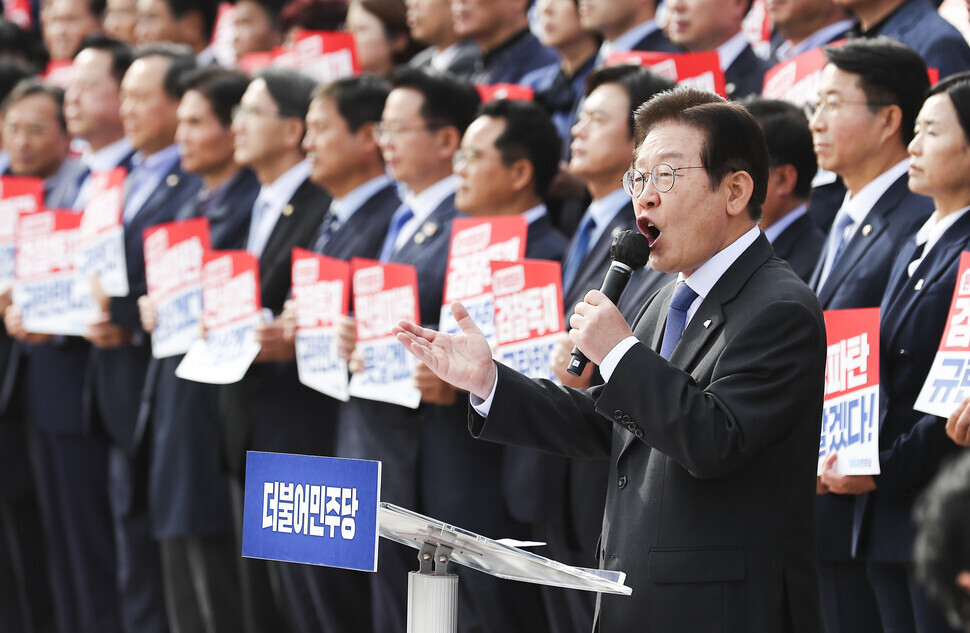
288,210
429,228
419,238
866,230
172,180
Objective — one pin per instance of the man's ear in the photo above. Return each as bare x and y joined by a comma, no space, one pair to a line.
740,188
448,140
522,174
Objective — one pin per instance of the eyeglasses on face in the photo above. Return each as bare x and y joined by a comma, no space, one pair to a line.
663,177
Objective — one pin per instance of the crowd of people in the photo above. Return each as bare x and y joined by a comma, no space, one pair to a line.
121,484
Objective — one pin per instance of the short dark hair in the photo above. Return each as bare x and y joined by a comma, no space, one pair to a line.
221,87
180,61
890,73
32,86
290,90
359,99
12,72
208,9
313,15
957,87
941,549
638,83
121,54
788,138
448,99
530,134
732,140
392,15
97,8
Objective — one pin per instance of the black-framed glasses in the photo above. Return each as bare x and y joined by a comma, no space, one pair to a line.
663,177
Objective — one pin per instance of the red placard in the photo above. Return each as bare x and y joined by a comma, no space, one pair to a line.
514,92
323,55
230,288
795,80
321,289
173,255
45,243
18,196
18,12
852,361
528,300
383,295
700,70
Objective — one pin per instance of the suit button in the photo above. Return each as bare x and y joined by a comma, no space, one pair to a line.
625,419
632,426
621,482
617,415
638,433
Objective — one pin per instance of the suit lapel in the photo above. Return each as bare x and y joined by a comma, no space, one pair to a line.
865,236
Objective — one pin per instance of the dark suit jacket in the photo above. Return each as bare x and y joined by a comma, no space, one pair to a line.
858,280
391,433
800,244
712,456
363,234
462,64
745,76
918,25
912,444
116,376
585,477
524,470
656,41
513,60
188,492
263,411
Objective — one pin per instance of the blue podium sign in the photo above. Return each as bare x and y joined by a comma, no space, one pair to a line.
316,510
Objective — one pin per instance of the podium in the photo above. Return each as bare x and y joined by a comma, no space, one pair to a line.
433,592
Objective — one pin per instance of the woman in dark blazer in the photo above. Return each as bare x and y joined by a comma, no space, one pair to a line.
914,310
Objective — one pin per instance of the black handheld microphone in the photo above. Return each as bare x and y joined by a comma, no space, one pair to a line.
630,251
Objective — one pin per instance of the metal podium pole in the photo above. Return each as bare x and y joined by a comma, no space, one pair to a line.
433,595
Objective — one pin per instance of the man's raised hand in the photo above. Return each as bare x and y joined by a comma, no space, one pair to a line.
463,360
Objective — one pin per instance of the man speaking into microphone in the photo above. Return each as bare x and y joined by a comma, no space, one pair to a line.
711,406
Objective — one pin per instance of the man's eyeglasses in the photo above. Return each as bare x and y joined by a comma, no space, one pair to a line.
832,104
395,130
465,156
241,111
663,177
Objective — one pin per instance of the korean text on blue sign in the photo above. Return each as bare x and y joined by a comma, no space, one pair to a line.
315,510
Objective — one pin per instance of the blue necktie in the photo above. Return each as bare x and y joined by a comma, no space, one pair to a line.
402,216
836,244
677,317
578,253
327,228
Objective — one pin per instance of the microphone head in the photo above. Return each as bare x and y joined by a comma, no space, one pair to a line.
630,248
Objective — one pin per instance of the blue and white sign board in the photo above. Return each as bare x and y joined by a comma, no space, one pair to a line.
316,510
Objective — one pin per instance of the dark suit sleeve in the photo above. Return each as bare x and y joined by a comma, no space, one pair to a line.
542,415
914,458
757,381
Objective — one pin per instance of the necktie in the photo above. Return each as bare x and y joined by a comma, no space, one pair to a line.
919,253
578,253
256,240
326,231
402,216
677,317
81,191
836,243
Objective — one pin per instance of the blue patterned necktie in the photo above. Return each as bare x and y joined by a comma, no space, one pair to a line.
677,317
836,244
402,216
578,253
326,231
